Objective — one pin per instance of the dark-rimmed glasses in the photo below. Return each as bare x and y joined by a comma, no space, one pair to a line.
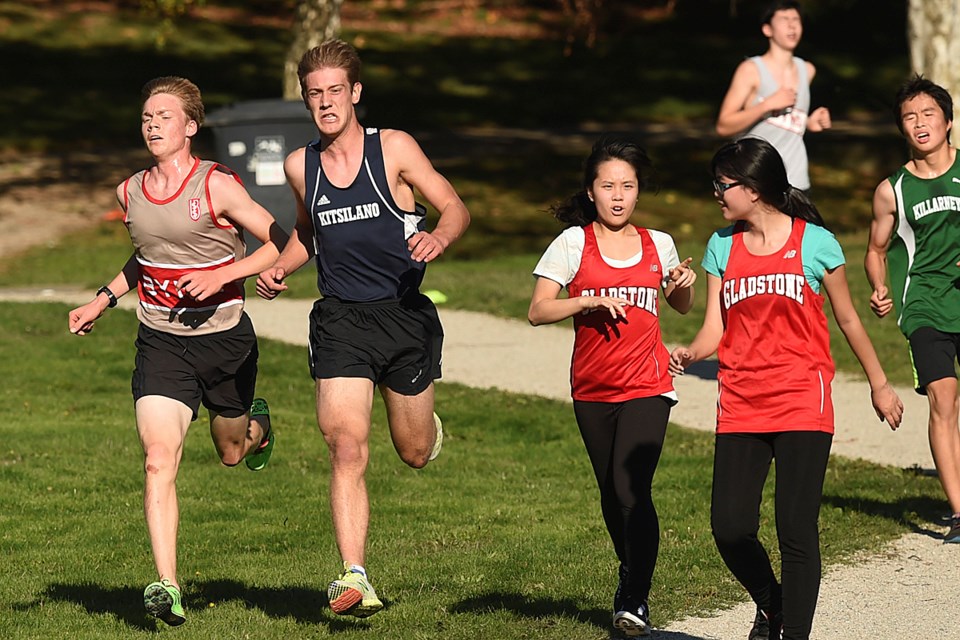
721,187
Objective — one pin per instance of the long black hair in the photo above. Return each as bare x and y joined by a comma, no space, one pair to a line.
578,210
755,163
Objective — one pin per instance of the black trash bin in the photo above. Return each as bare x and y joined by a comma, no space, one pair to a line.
253,138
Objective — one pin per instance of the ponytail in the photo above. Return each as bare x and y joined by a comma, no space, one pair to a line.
797,204
576,211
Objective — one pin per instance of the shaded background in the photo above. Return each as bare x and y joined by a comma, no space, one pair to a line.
499,97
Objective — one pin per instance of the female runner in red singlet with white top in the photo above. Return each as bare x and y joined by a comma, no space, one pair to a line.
765,313
622,388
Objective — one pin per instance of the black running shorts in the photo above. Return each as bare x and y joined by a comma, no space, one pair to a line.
218,369
396,343
934,354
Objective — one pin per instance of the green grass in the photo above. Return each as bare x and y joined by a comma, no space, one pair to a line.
501,537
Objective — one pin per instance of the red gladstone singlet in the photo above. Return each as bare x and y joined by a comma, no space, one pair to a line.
619,360
177,235
775,365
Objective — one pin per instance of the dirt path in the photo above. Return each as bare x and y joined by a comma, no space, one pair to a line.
910,589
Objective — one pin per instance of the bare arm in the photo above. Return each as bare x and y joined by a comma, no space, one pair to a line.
885,400
299,248
81,320
546,307
707,340
679,291
737,113
234,205
819,118
881,233
414,168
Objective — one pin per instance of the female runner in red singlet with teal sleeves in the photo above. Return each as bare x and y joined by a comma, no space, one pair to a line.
622,388
765,313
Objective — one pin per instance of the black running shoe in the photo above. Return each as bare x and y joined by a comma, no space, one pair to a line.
954,534
634,619
765,628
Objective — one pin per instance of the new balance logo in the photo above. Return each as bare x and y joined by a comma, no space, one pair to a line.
790,254
323,200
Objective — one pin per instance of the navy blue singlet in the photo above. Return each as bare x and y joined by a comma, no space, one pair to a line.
360,234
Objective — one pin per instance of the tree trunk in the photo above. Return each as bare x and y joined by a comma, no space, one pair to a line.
316,22
933,30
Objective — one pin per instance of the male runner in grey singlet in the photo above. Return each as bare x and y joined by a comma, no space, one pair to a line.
354,190
769,96
187,219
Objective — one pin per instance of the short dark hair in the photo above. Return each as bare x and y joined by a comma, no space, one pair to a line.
779,5
914,87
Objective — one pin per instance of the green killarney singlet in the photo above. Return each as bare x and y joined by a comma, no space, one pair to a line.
925,249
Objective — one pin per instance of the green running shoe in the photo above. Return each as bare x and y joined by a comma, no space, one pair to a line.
438,443
162,601
259,457
352,595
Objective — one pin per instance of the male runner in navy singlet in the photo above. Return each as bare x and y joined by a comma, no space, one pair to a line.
356,213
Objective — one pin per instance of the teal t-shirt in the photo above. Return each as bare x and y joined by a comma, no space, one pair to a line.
820,249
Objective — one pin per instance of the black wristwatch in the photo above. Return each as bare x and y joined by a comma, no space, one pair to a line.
113,299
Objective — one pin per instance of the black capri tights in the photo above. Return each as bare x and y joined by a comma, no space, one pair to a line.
740,467
624,441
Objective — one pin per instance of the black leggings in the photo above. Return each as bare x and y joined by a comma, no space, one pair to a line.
740,466
624,440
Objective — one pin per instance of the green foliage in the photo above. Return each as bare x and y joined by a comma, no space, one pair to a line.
500,537
168,12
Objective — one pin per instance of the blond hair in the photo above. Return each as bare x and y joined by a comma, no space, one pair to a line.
332,54
186,91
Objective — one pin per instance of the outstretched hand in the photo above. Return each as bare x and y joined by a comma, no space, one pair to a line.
888,405
682,275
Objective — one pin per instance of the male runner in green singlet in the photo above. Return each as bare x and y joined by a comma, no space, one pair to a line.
915,235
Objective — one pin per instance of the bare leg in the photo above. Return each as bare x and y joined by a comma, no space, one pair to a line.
411,424
162,424
945,436
234,438
343,413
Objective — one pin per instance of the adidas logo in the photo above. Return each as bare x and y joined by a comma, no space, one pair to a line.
323,200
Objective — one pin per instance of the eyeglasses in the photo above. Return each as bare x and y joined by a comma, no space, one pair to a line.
721,187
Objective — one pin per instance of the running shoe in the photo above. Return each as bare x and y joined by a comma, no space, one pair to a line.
259,457
765,628
162,601
634,619
352,595
438,442
954,534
